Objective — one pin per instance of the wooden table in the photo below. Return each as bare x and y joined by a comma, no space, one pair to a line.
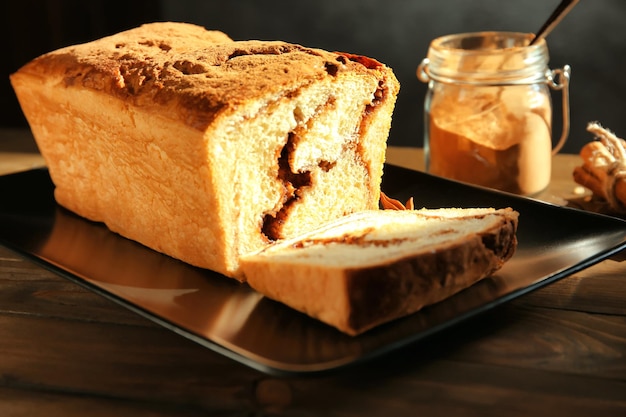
65,351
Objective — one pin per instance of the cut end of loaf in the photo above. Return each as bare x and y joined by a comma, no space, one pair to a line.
313,153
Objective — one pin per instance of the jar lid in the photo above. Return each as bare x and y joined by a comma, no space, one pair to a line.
488,57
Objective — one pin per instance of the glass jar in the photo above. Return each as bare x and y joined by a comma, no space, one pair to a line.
488,110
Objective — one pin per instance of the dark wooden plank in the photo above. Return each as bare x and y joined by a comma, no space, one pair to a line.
444,388
599,289
32,402
126,364
571,342
27,288
115,361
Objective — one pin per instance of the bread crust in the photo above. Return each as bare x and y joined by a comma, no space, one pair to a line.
387,292
190,74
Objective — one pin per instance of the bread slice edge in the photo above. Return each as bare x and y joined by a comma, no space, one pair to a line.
355,299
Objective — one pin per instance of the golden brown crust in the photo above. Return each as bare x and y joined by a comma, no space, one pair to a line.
388,292
210,74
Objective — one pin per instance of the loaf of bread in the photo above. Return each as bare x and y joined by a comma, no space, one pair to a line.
376,266
205,148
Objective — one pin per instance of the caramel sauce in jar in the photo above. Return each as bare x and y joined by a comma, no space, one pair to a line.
488,111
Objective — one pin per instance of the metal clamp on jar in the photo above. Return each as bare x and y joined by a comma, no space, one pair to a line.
488,112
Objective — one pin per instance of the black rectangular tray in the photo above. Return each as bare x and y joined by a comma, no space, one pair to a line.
230,318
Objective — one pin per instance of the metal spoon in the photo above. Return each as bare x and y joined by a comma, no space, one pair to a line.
559,13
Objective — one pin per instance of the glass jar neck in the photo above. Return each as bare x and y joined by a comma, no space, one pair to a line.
488,58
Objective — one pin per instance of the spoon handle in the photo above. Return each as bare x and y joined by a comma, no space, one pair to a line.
559,13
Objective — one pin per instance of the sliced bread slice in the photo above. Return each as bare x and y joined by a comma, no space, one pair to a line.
376,266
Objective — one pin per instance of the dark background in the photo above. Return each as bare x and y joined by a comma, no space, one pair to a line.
591,40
